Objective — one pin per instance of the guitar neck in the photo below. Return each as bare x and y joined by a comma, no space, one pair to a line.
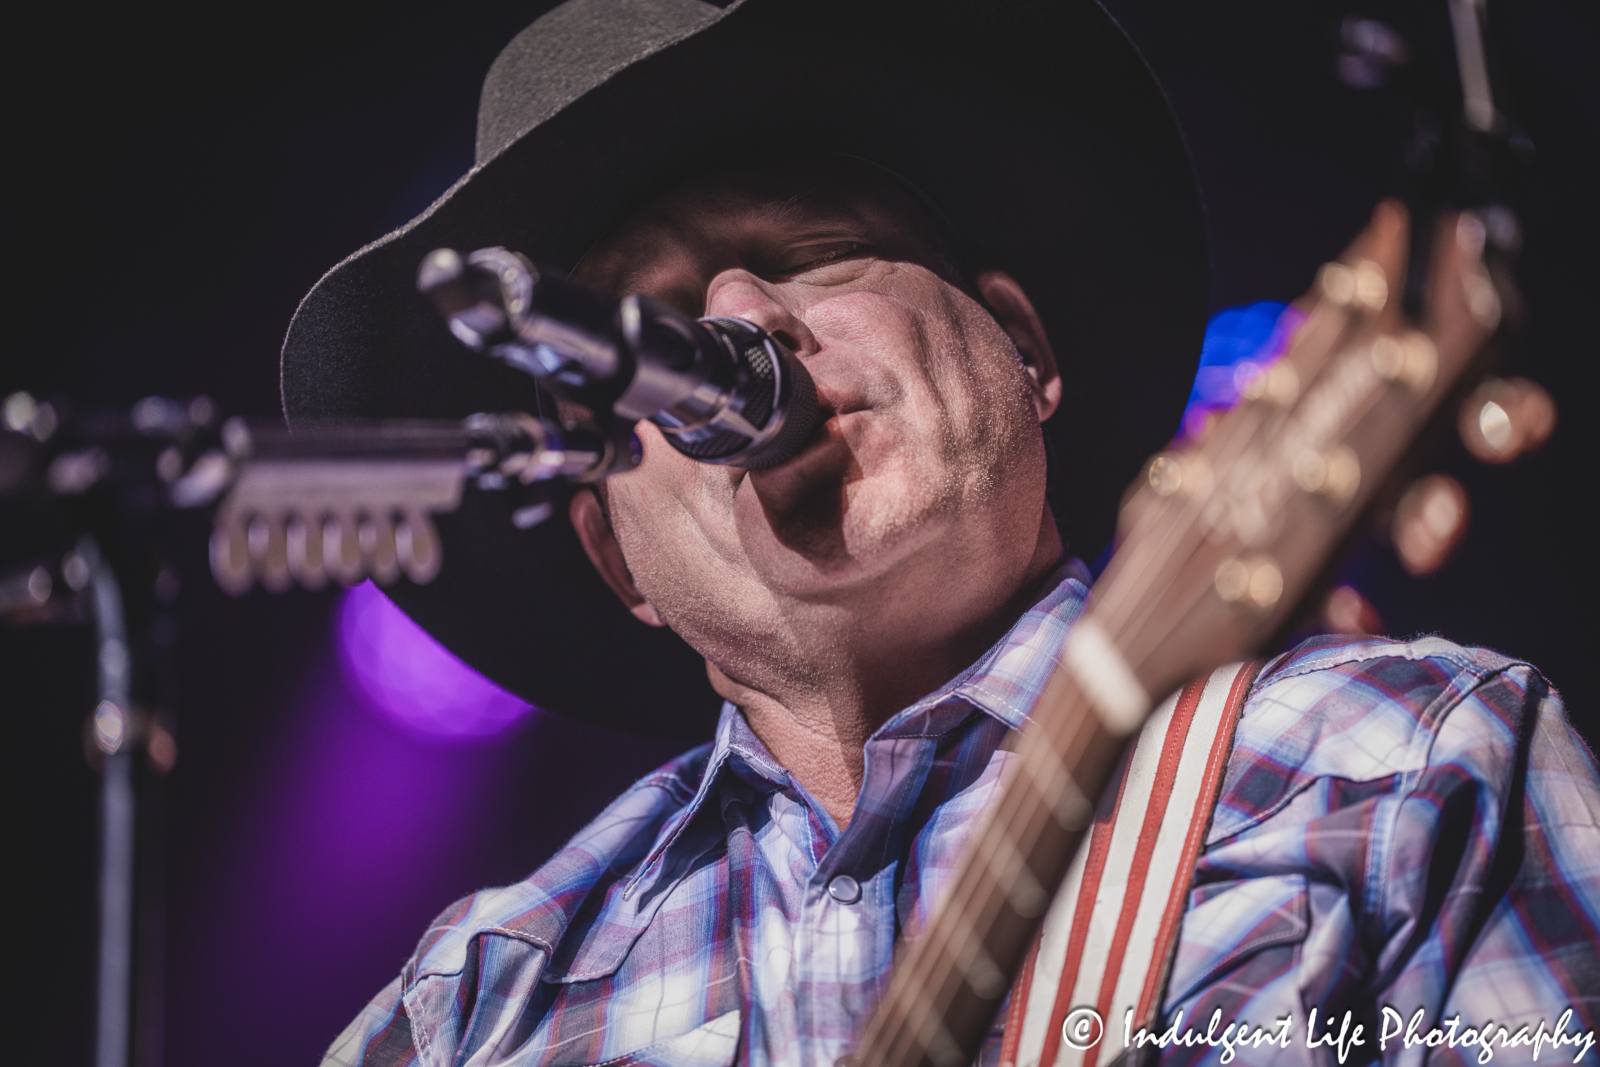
950,978
1219,541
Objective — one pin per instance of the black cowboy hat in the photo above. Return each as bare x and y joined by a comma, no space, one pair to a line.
1036,129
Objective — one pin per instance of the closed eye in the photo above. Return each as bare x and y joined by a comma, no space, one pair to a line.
812,259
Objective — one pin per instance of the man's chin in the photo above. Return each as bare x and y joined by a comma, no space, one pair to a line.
826,541
804,530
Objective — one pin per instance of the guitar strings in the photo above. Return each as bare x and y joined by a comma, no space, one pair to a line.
910,1022
1124,608
931,988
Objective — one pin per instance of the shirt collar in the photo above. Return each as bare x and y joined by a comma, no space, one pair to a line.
1004,683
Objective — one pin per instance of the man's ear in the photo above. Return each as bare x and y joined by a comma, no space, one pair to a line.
1015,313
600,543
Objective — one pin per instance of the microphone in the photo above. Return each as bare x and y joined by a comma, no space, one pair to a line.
721,389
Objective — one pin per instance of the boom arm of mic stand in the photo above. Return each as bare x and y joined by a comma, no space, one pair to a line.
331,501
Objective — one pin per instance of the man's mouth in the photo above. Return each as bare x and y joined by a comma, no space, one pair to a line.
825,414
825,434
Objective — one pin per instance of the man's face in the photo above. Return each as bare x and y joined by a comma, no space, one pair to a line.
922,490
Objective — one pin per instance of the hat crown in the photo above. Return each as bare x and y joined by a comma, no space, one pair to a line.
570,50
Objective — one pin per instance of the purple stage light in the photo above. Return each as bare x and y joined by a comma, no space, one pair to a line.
412,680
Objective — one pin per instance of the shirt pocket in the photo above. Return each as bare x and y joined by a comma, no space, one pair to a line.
715,1044
1229,922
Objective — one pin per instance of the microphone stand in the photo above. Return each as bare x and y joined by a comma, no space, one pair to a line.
348,500
113,735
107,479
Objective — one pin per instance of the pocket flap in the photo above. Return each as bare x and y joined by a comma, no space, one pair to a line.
1233,920
714,1044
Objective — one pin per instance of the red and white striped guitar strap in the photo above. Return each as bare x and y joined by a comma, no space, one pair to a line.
1109,938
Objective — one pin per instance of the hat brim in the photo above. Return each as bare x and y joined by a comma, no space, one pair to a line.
1035,127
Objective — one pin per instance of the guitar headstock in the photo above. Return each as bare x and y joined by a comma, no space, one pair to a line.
1225,535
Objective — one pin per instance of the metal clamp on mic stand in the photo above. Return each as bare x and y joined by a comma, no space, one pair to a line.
347,501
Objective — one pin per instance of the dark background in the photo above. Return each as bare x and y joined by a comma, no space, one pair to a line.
175,180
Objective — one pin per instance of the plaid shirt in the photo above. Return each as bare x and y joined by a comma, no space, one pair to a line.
1401,825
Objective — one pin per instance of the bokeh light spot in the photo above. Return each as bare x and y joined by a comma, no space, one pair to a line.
413,681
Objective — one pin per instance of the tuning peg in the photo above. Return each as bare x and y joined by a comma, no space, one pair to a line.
1505,418
1429,522
1346,611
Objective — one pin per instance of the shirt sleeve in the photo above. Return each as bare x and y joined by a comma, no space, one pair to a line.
1407,852
1490,891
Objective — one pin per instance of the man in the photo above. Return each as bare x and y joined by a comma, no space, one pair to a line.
1410,827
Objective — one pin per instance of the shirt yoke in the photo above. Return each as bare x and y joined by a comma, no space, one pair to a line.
538,909
1362,710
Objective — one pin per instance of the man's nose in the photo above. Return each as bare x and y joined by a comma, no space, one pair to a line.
742,295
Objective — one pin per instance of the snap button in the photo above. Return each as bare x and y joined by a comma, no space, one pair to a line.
844,889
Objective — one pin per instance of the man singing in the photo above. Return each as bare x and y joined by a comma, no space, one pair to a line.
976,226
